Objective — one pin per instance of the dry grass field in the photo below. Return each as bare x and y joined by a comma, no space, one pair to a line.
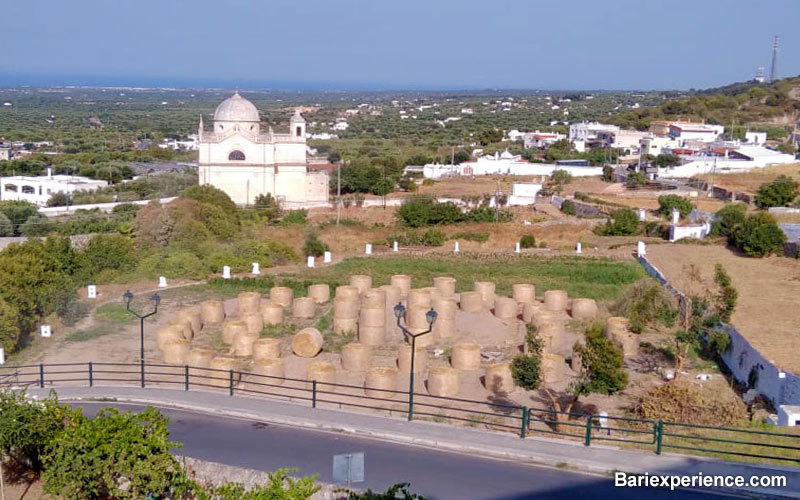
749,181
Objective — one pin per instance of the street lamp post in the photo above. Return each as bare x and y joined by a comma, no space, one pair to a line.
128,297
430,316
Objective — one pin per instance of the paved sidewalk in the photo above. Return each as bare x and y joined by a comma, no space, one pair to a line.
597,459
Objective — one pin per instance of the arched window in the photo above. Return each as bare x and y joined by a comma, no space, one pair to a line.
11,187
236,156
28,189
299,131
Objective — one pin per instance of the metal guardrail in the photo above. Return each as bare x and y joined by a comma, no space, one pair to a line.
504,416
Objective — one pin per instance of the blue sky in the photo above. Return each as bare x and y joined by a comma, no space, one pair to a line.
399,44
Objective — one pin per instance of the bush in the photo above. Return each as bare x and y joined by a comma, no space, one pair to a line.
568,207
646,304
779,193
430,238
470,236
601,363
110,251
608,173
433,238
561,177
727,295
18,213
313,246
728,218
294,217
525,369
635,179
759,236
667,203
174,265
426,211
206,193
623,222
9,326
428,182
527,241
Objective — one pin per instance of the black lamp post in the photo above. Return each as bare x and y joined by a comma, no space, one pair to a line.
128,297
399,312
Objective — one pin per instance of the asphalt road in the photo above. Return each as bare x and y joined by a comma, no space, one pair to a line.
437,475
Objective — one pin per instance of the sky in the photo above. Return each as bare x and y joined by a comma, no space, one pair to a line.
405,44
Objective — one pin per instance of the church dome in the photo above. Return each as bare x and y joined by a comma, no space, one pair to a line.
236,109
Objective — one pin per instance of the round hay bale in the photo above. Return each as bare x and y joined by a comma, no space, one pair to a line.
445,285
529,310
254,322
281,295
345,325
361,281
416,318
444,328
555,300
272,370
444,381
231,328
380,382
307,343
419,298
499,378
404,359
192,315
445,307
356,357
267,348
466,356
583,308
169,332
304,307
616,323
505,308
552,366
345,309
487,291
271,313
320,292
347,292
425,340
212,312
223,365
183,325
471,302
324,373
523,293
373,298
243,344
372,317
403,282
176,351
248,302
371,335
197,359
392,294
543,316
627,341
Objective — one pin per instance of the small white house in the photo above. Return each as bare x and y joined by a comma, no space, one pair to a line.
38,190
524,193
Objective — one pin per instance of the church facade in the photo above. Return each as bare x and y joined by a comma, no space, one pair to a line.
244,161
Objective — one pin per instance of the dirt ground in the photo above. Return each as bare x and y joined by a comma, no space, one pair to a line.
766,314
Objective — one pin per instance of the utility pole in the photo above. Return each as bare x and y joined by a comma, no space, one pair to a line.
339,192
773,72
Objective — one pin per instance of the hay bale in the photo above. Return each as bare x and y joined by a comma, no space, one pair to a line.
466,356
212,312
272,369
176,351
444,381
373,298
380,382
529,310
281,295
543,316
583,308
193,316
372,335
471,302
197,359
499,378
372,317
324,373
505,308
404,359
552,366
416,318
445,286
487,291
627,341
425,340
403,282
248,302
444,328
223,365
362,282
392,294
271,313
523,293
345,309
254,322
556,300
616,323
183,325
419,298
231,328
347,292
169,332
243,344
304,308
445,307
345,325
307,343
267,348
320,292
356,357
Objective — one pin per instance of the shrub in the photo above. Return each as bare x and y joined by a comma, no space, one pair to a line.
421,212
9,326
174,265
623,222
681,401
646,304
779,193
601,363
568,207
18,213
294,217
561,177
728,218
668,202
525,369
527,241
313,246
433,238
428,182
727,295
635,179
608,173
759,236
110,251
206,193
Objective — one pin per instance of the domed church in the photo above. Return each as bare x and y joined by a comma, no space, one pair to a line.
244,161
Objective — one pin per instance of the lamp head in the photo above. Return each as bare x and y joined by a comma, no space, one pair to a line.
399,310
127,296
431,316
156,298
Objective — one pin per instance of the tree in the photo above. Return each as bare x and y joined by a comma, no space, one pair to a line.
561,177
114,455
18,213
635,179
779,193
623,222
759,235
559,150
313,246
728,218
646,304
110,251
601,363
9,325
668,202
727,295
667,160
489,135
460,156
6,228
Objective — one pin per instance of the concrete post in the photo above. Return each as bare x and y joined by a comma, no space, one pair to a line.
162,282
310,262
256,269
326,258
226,272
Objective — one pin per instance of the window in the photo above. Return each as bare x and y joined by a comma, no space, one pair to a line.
236,156
299,131
28,189
11,187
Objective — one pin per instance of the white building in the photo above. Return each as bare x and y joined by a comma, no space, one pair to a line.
655,145
741,159
587,131
695,131
524,193
620,139
190,144
542,139
504,164
38,190
242,160
755,138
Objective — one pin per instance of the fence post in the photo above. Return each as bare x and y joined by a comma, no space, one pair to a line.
588,440
186,378
141,363
313,393
524,430
659,430
231,383
91,375
41,375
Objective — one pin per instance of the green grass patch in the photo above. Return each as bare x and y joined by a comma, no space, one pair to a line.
279,330
114,314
